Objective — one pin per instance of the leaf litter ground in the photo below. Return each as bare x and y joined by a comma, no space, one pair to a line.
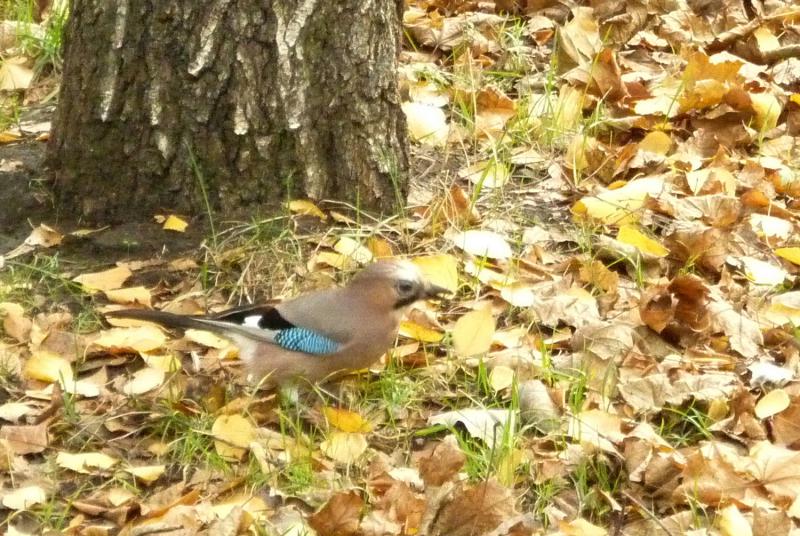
611,194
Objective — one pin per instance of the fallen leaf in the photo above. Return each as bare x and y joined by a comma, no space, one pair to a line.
146,473
174,223
772,403
473,332
440,270
344,447
482,244
130,296
105,280
139,339
353,249
83,462
340,516
412,330
232,436
24,497
144,380
427,124
488,425
346,420
48,367
15,323
304,207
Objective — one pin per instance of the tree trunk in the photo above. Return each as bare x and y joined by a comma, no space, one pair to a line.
238,103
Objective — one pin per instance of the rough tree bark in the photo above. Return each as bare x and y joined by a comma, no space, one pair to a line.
266,98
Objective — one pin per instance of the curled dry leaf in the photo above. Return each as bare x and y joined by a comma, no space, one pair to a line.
488,425
476,509
130,296
138,339
772,403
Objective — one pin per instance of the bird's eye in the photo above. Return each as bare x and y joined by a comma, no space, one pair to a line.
405,287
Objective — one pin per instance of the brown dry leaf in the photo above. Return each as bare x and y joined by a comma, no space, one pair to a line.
476,509
778,470
597,274
581,527
130,296
106,280
705,83
786,425
473,333
712,476
232,436
31,439
340,516
440,461
15,323
494,110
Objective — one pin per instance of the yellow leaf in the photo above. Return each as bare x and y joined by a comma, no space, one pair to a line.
732,522
353,250
206,338
23,498
790,254
48,367
174,223
379,248
482,243
767,109
344,447
9,137
167,362
14,75
334,260
501,377
414,331
772,403
621,205
232,435
144,380
128,296
488,174
82,462
632,236
426,124
146,473
139,339
106,280
473,333
345,420
656,142
440,270
304,207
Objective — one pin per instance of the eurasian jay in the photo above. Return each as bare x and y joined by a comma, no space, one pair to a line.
315,335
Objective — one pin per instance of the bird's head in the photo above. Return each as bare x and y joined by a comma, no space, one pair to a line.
398,281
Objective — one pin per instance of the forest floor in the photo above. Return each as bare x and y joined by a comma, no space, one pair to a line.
612,196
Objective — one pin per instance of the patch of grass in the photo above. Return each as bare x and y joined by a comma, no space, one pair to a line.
594,479
683,427
189,438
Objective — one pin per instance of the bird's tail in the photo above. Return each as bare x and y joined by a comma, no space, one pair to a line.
172,320
162,318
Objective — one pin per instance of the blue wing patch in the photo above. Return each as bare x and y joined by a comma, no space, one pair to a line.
305,340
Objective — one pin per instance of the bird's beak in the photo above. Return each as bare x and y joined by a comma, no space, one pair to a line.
435,291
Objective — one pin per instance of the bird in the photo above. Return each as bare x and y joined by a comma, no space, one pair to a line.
318,335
